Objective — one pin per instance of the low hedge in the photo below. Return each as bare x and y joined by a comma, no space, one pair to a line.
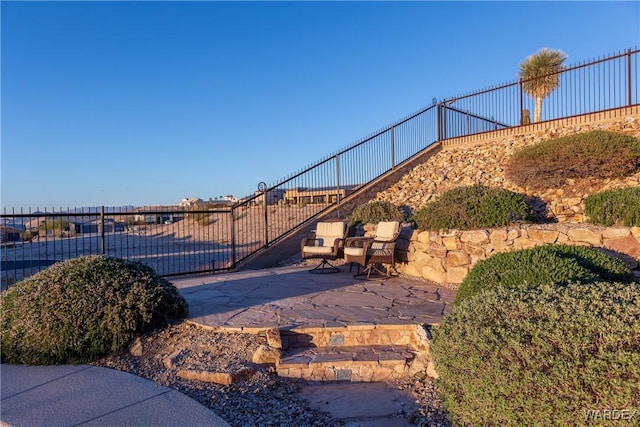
595,154
472,207
619,206
542,265
82,309
540,356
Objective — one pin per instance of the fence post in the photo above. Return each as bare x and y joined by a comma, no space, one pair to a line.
338,178
393,147
468,123
439,121
629,91
262,187
444,121
521,103
102,242
233,237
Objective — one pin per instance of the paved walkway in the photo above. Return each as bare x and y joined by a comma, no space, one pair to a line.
285,297
82,395
292,297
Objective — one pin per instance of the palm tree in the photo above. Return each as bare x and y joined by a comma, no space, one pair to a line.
540,75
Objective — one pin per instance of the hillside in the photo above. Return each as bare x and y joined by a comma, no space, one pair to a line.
485,164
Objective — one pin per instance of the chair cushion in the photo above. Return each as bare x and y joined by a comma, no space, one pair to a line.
387,230
353,251
328,232
317,250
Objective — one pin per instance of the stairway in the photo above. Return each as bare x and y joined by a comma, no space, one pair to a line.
356,353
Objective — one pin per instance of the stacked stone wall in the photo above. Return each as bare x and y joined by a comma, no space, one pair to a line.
447,256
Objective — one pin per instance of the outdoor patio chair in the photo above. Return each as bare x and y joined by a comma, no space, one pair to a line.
373,253
326,243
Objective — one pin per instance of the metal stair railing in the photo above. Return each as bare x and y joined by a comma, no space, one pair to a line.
285,206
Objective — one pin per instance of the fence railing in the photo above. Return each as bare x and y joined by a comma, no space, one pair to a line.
598,85
209,237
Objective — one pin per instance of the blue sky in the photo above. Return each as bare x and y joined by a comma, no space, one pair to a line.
145,103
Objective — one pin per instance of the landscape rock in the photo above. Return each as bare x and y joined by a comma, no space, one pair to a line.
266,355
273,338
170,361
223,378
136,348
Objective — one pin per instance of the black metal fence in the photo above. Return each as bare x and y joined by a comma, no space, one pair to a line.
212,237
599,85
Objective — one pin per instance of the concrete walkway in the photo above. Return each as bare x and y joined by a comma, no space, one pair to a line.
284,297
85,395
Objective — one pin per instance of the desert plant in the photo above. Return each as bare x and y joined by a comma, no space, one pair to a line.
542,265
540,75
594,154
53,227
619,206
377,211
541,356
82,309
28,235
473,207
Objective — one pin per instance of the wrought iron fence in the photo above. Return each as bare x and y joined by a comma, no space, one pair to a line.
210,237
599,85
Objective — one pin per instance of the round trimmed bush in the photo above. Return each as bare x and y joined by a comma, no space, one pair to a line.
620,206
540,356
377,211
82,309
542,265
471,207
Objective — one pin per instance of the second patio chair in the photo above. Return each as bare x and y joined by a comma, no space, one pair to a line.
374,252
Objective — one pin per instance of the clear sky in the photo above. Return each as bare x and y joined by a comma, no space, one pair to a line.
145,103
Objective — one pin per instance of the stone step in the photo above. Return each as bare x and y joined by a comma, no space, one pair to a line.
349,363
354,335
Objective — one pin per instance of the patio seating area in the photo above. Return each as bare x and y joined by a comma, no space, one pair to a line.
375,254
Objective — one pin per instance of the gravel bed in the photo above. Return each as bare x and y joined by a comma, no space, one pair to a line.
262,398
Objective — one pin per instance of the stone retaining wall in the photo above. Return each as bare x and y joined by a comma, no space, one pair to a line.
447,256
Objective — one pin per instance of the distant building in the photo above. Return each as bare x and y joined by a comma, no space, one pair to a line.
318,195
157,214
10,234
190,201
273,196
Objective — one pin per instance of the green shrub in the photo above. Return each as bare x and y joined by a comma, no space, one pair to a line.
596,154
542,265
614,207
541,356
377,211
82,309
473,207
